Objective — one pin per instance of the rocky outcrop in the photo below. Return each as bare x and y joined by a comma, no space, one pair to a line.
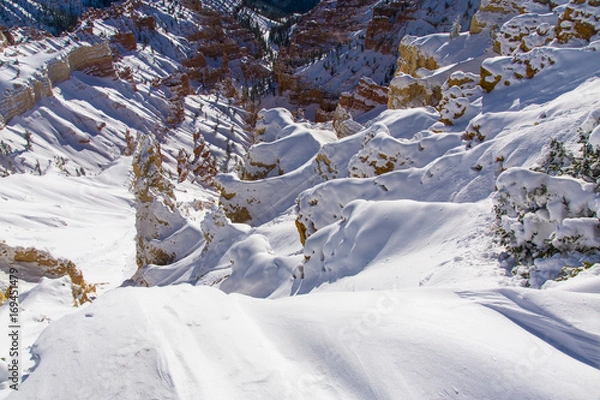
200,166
382,31
412,59
458,92
300,92
492,14
254,71
177,87
221,34
33,264
193,5
178,84
525,32
196,62
21,98
144,23
580,20
156,214
408,92
407,89
218,38
510,70
343,124
125,39
58,70
95,60
367,96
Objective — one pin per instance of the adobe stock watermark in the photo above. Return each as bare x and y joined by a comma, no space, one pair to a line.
14,331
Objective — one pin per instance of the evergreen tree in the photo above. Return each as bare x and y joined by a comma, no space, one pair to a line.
456,28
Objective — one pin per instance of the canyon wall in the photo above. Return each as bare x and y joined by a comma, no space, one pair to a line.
95,60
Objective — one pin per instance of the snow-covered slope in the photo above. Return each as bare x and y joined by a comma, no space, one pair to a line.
447,247
51,15
424,343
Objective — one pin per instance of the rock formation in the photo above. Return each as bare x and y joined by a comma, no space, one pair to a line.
409,88
96,59
156,214
367,96
20,98
580,20
493,13
200,166
382,31
343,123
33,264
126,40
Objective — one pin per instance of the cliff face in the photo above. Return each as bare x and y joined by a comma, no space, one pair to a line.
157,216
59,70
337,43
321,33
382,31
95,60
367,96
22,98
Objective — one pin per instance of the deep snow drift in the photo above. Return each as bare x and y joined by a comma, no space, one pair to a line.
182,342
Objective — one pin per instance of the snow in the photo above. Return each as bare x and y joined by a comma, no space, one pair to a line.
370,266
292,146
422,343
401,243
88,220
341,68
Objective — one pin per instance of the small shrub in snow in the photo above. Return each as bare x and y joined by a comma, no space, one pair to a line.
557,160
571,272
548,216
561,161
455,31
28,140
5,148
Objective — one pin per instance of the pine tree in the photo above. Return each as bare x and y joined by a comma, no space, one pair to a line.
456,28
